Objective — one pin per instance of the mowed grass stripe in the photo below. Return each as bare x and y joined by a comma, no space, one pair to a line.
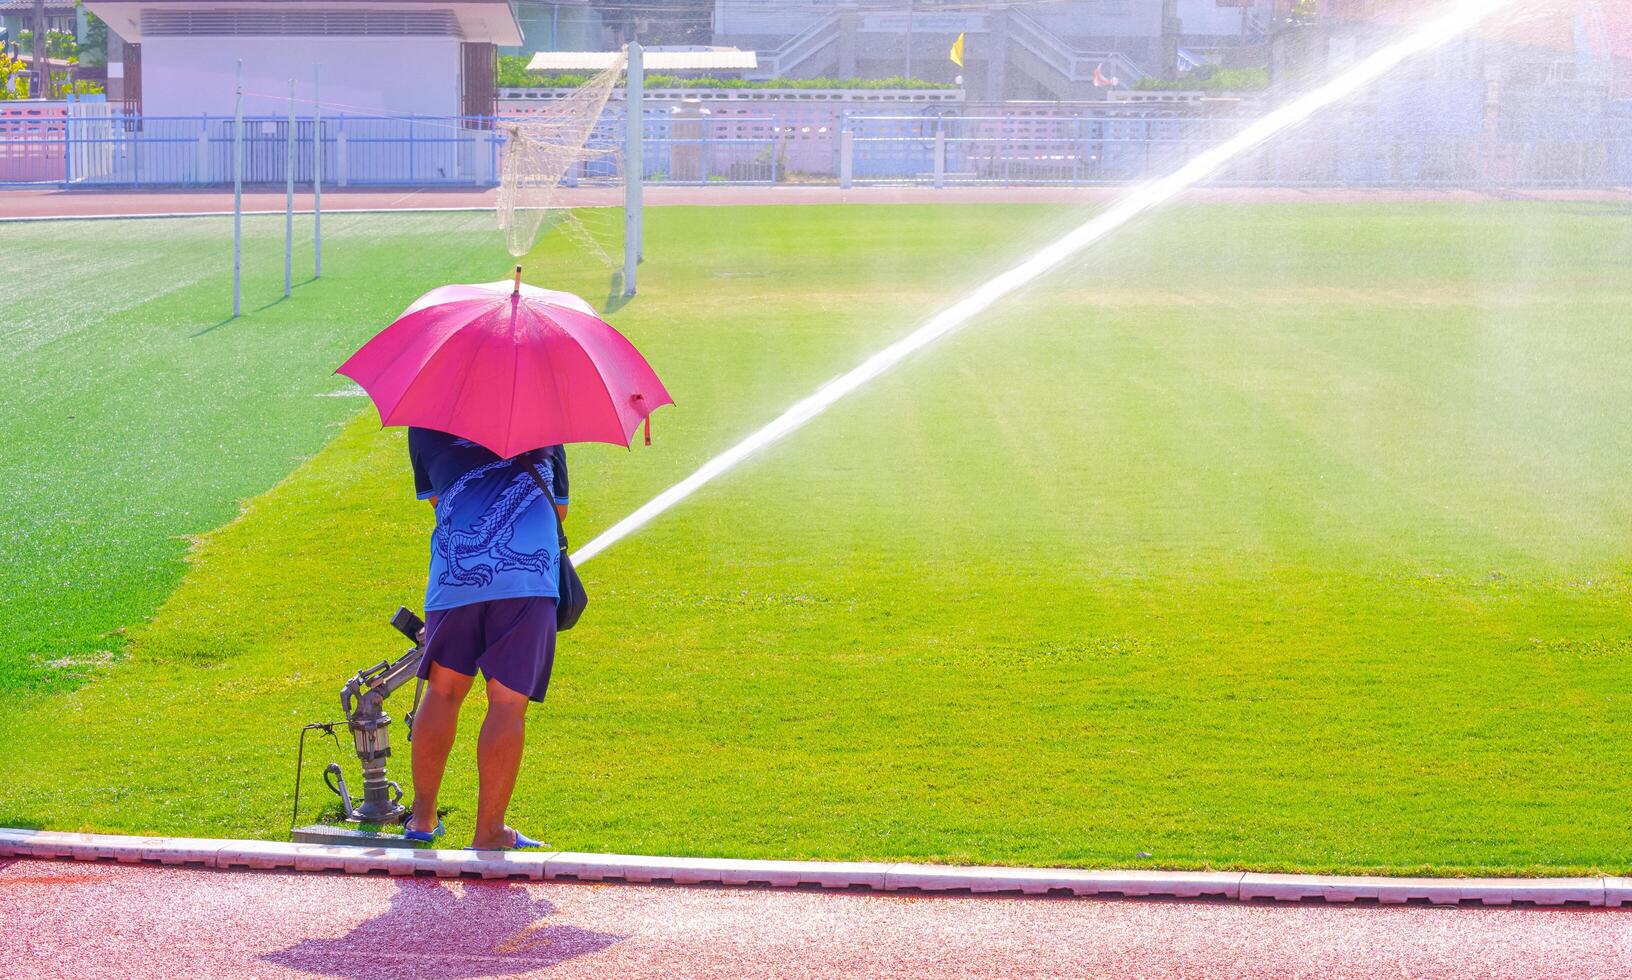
136,414
1233,583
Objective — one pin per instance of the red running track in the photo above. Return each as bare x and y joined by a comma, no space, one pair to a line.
45,202
71,919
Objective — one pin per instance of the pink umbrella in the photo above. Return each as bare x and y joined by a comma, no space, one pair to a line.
510,367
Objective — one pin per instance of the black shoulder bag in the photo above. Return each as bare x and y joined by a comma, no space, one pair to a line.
572,599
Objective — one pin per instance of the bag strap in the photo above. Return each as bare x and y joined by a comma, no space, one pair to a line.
549,496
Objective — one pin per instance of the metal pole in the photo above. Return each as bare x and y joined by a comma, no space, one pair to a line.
634,167
289,195
238,192
940,155
317,173
847,156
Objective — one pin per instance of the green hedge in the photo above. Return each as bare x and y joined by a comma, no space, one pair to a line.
1216,80
513,73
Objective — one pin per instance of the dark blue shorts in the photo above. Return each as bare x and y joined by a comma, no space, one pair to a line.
511,640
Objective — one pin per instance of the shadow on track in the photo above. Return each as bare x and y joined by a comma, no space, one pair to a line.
443,929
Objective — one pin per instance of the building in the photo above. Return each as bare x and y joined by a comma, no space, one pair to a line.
1548,63
1018,51
388,57
569,25
17,16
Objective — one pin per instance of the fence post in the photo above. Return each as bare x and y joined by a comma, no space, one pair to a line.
341,161
238,191
940,155
317,171
634,163
68,142
491,176
847,153
1079,153
202,173
410,148
289,194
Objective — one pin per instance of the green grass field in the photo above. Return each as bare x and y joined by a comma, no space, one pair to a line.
1282,537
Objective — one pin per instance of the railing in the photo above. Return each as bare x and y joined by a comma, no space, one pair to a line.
1259,24
797,49
96,146
112,150
1076,66
680,149
1087,150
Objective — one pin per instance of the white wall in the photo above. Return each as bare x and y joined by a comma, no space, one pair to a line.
1100,18
190,76
755,17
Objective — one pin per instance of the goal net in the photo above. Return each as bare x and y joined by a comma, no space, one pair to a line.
557,159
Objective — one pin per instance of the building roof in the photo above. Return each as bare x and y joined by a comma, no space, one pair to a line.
652,59
474,20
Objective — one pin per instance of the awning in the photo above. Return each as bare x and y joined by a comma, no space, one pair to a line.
697,59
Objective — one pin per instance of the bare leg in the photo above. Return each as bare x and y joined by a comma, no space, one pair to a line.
435,725
498,760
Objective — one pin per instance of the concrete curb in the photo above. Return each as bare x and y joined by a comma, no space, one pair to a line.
858,876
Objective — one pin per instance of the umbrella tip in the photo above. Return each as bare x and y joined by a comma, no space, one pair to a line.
517,290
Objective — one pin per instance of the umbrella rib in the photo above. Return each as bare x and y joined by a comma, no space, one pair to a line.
605,390
398,355
422,373
549,355
589,355
515,376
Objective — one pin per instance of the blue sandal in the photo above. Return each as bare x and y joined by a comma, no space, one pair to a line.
421,836
523,842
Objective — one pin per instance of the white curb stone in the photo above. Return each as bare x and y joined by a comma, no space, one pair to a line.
498,864
699,871
258,855
792,874
1044,881
320,857
46,843
558,865
180,850
1617,892
100,847
1435,891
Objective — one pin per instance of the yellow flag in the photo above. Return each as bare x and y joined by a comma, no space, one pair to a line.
957,51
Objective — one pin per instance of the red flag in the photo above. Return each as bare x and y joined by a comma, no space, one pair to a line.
1100,81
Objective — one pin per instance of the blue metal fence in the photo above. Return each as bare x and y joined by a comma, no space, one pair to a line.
137,151
1114,149
111,149
95,145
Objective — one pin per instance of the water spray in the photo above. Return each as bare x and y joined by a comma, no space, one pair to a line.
1456,20
363,698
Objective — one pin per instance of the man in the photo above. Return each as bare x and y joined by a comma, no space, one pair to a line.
489,605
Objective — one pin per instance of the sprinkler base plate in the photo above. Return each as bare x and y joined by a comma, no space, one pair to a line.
318,833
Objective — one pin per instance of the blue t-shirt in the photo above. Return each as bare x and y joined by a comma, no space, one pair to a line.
495,538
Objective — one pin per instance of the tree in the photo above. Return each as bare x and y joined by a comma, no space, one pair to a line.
42,67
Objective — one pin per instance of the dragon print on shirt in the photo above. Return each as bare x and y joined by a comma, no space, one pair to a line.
475,554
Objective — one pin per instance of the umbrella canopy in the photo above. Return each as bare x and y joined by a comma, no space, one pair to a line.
508,366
